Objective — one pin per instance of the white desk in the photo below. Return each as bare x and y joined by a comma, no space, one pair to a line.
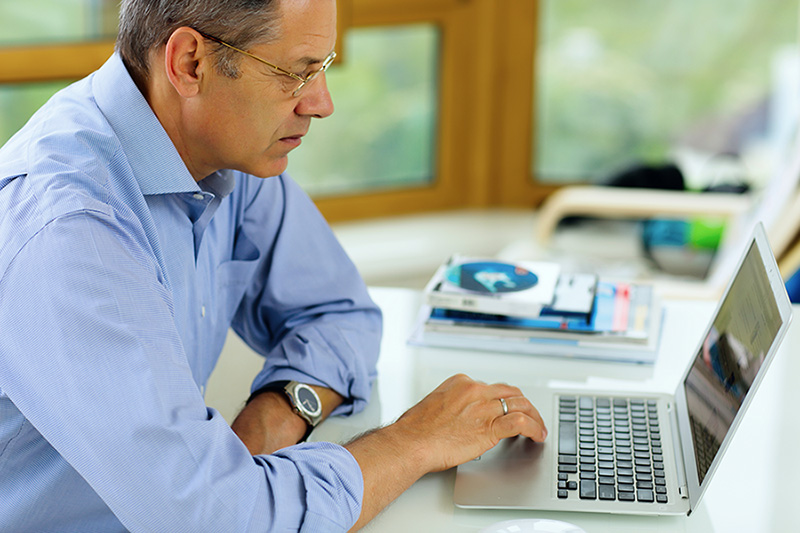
751,491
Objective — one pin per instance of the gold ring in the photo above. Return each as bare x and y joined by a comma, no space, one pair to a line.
505,406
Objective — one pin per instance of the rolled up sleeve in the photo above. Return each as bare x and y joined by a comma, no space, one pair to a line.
308,311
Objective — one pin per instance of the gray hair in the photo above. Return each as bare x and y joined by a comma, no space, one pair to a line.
144,25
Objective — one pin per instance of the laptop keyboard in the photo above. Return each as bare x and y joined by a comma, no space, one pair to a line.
610,449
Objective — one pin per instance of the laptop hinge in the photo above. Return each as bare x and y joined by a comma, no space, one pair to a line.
683,489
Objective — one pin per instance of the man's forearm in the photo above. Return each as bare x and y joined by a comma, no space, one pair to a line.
268,423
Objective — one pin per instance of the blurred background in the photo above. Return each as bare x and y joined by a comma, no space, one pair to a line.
455,119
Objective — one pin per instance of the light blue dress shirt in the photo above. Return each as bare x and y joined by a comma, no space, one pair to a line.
119,278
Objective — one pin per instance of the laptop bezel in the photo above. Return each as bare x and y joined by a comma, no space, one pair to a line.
694,488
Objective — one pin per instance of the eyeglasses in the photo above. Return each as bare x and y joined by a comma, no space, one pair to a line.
303,80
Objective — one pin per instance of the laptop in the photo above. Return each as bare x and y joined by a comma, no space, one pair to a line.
646,453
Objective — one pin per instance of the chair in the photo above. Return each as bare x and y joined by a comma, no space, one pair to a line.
616,241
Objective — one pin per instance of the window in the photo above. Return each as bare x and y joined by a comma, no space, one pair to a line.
621,83
470,103
383,133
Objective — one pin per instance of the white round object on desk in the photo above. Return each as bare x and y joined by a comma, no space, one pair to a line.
532,525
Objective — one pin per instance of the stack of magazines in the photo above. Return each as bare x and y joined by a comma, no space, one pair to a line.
533,307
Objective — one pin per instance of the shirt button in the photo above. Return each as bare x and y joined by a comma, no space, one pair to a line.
203,311
197,196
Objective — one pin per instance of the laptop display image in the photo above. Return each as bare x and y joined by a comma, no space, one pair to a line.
622,452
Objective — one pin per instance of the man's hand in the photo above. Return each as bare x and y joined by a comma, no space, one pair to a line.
463,418
457,422
268,423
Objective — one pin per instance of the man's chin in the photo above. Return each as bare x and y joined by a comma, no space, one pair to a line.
267,170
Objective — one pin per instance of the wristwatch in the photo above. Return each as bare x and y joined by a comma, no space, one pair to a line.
303,399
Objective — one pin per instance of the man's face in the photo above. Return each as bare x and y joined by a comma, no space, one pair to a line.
253,122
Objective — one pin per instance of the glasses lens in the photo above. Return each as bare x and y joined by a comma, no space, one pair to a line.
314,75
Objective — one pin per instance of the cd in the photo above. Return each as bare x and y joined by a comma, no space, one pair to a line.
491,277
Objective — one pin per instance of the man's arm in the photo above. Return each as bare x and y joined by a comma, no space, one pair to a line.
458,421
268,423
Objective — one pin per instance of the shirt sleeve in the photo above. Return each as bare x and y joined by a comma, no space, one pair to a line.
89,353
307,310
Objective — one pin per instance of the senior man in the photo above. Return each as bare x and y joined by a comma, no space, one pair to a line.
143,212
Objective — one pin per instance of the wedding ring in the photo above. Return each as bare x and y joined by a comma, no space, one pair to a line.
505,406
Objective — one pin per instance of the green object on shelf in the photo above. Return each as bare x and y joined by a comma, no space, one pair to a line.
705,233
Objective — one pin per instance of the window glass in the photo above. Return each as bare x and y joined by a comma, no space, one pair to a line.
49,21
383,132
624,82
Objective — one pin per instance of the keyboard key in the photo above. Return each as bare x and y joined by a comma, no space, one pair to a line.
572,485
661,498
625,480
585,402
562,476
586,467
624,487
644,495
661,490
607,481
567,460
569,469
588,490
626,496
562,494
562,485
644,485
567,438
588,475
607,492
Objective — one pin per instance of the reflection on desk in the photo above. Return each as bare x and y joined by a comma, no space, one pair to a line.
752,489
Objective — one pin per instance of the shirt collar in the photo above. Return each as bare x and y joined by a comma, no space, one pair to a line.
156,164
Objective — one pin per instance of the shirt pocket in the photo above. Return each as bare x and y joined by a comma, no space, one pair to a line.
234,276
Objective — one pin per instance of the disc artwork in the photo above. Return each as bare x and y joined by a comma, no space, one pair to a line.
491,277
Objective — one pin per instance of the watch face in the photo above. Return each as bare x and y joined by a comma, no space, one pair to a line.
307,399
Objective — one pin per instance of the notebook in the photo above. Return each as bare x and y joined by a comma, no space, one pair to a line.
645,453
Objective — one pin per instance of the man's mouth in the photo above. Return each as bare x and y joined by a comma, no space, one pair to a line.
293,140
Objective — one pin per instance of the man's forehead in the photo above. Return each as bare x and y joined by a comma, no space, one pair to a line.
306,30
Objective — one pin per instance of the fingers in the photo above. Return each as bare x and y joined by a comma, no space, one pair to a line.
521,418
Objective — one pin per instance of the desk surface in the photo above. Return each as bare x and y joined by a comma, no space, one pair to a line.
751,491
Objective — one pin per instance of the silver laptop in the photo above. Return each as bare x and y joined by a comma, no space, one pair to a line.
644,453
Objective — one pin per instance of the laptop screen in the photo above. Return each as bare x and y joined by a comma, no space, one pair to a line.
729,358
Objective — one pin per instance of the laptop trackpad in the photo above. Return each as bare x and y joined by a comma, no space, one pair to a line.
514,473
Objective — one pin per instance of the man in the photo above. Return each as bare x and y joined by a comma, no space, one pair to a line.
128,247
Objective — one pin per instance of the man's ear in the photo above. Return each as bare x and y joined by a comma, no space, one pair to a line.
186,59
